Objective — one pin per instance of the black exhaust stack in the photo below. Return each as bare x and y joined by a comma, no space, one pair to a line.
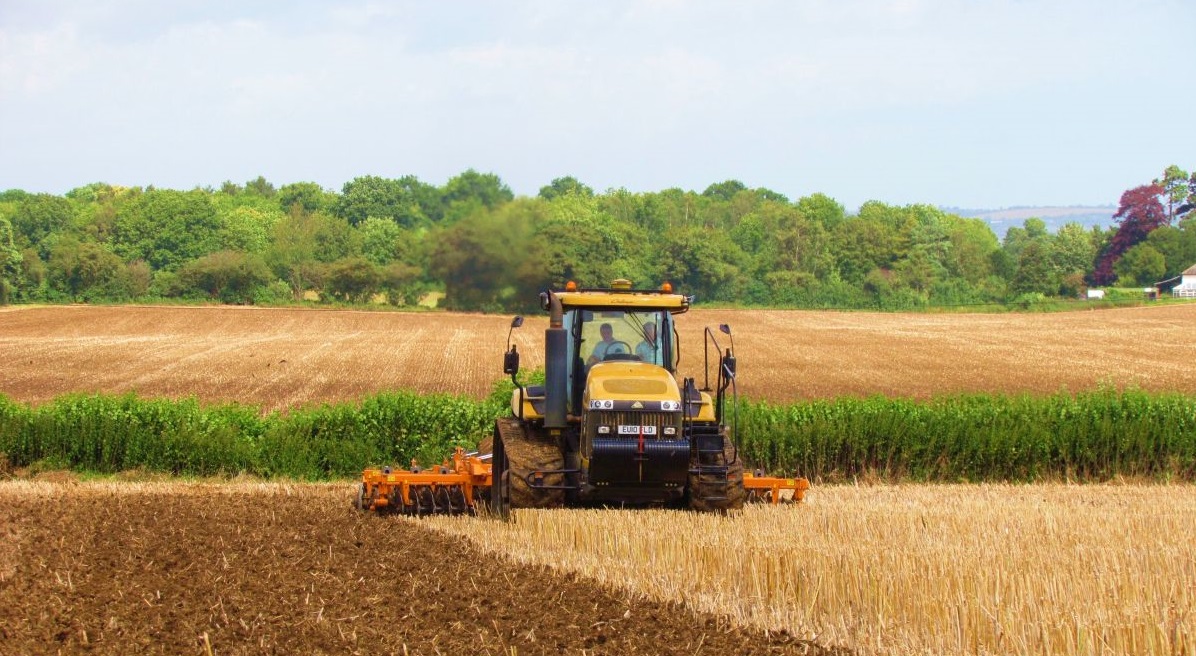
556,372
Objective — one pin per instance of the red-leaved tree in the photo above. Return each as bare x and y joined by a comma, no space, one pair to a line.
1140,212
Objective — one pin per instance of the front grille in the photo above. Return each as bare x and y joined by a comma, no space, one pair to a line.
615,419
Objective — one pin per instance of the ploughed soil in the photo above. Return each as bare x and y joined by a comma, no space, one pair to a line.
189,568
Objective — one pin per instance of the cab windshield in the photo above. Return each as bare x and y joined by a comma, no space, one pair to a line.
606,335
613,335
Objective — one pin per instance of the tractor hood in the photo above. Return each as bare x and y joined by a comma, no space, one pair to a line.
624,385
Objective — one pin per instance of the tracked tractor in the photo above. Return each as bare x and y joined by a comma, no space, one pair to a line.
612,425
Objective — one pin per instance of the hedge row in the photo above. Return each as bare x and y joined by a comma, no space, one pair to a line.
1088,436
114,433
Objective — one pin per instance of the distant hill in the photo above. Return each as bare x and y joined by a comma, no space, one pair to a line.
1054,217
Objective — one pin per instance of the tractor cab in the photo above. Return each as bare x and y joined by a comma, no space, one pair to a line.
620,334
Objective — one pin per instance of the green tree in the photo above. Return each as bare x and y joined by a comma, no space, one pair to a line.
464,194
227,276
863,244
1035,275
403,283
1174,185
38,216
247,229
10,263
823,209
292,251
86,271
1073,250
973,246
724,191
1177,245
477,258
798,243
764,193
381,240
167,228
702,263
309,196
1140,265
574,239
566,185
406,201
259,186
353,279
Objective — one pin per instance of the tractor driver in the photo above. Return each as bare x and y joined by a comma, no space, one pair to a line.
602,348
649,349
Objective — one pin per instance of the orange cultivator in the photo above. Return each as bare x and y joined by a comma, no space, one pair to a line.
458,485
772,489
461,484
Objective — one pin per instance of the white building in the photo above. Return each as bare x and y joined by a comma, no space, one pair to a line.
1187,285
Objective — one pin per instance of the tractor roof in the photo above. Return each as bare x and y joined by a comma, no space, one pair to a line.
621,296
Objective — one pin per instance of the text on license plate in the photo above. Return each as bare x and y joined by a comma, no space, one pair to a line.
636,430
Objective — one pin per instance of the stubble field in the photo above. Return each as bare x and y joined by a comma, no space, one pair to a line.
280,358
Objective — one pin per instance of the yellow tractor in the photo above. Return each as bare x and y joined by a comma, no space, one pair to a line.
611,426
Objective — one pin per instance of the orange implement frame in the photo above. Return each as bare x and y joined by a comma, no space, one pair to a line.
450,487
773,489
454,485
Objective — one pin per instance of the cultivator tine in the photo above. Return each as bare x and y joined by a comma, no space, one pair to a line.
451,488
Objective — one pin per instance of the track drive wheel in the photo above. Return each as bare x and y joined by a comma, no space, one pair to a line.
524,455
705,486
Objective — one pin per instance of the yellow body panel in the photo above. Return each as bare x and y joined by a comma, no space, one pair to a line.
706,410
631,381
529,411
617,381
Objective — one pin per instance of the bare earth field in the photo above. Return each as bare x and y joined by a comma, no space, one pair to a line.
280,358
250,568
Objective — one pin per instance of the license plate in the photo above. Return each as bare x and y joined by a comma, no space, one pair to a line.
636,430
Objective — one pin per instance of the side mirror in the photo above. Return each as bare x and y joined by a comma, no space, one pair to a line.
726,330
515,323
510,362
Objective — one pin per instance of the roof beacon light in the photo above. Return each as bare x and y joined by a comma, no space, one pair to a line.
667,287
621,283
571,286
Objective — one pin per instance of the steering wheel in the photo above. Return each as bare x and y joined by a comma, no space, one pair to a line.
616,348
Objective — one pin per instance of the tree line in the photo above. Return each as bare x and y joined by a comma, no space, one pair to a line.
486,249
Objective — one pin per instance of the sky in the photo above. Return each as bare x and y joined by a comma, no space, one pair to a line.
969,104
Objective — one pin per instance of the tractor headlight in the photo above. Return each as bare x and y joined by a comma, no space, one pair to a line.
670,430
670,406
602,404
604,430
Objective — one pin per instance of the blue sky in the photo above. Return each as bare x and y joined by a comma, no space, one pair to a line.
966,104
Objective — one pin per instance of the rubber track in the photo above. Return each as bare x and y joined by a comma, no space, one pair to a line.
525,455
711,484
